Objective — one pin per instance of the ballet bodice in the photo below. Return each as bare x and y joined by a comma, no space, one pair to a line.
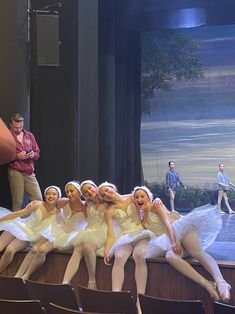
72,219
35,218
128,220
95,215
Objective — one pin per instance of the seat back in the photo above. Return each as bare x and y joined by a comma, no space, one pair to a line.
21,306
56,293
221,308
12,288
56,309
153,305
104,301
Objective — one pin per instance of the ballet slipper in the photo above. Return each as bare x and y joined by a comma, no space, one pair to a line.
224,289
211,289
92,285
231,212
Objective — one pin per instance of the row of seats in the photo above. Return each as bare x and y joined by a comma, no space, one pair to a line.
17,296
35,307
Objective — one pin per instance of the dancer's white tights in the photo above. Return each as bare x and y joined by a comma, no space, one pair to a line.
192,244
121,255
11,246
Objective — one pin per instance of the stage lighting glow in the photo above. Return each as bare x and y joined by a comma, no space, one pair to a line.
186,18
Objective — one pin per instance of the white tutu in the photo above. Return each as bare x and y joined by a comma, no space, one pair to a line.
206,220
63,229
131,238
131,229
24,229
4,211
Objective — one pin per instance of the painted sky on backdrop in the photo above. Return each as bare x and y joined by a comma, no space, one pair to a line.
217,44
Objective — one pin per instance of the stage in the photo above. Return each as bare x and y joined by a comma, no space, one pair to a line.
163,280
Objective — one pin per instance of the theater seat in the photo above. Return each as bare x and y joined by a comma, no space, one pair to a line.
153,305
21,306
12,288
104,301
56,309
62,295
221,308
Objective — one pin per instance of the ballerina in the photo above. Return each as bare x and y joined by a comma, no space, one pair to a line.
90,241
18,233
56,231
131,239
178,236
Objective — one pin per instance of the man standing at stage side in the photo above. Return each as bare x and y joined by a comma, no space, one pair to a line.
172,179
21,170
224,183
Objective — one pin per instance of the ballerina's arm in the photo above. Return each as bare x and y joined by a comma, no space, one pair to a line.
160,209
23,212
110,234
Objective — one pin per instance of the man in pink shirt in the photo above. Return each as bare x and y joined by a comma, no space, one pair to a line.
21,170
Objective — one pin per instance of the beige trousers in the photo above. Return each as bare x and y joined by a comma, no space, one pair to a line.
19,184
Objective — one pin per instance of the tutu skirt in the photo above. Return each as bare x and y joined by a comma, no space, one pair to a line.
18,227
131,238
205,220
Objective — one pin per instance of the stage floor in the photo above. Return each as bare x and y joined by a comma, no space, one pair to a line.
223,249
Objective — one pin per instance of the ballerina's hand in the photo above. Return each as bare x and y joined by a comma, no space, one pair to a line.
177,249
31,204
106,259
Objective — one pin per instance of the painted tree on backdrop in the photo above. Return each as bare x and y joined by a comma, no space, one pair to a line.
167,55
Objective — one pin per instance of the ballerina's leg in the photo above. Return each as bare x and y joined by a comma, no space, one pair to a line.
90,259
14,246
5,239
39,259
192,244
73,264
141,271
121,254
29,257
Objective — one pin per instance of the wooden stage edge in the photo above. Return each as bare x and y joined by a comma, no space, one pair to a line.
163,280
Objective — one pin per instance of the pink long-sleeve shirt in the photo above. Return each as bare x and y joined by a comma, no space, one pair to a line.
25,166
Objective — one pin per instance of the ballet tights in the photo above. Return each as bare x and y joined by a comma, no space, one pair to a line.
73,264
34,259
89,252
11,246
122,253
192,244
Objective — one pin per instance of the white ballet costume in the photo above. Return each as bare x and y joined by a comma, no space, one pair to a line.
206,220
25,229
96,229
132,230
61,234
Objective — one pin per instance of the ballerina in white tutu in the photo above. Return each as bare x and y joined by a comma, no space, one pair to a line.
56,231
131,239
90,241
178,236
19,232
